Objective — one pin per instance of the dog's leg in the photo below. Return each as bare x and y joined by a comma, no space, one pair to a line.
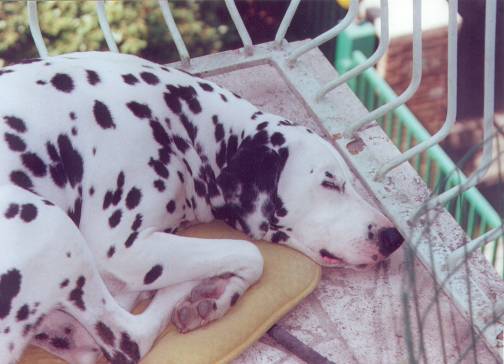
45,265
221,270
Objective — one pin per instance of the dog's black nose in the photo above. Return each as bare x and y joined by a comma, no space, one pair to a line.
389,240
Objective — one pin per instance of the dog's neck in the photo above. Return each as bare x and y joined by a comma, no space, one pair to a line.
241,187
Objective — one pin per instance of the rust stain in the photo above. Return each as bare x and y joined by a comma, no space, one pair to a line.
356,146
337,136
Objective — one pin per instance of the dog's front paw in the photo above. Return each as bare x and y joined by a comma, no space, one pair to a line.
207,302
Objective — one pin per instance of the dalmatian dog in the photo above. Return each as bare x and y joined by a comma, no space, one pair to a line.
105,156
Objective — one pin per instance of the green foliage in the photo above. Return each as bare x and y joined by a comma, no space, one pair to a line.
138,27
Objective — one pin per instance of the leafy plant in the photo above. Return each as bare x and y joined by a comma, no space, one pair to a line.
138,27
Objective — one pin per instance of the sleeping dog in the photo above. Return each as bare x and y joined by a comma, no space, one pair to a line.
105,156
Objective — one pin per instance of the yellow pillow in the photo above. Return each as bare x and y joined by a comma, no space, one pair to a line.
288,277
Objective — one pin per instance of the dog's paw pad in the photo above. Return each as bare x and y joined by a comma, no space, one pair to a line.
201,306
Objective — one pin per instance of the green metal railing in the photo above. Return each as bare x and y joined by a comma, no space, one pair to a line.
471,210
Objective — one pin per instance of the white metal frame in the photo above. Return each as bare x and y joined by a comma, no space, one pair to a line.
441,257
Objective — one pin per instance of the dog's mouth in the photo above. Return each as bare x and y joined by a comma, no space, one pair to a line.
330,258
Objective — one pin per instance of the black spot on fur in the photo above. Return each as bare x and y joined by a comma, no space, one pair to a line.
187,166
76,294
115,218
180,143
159,185
41,337
170,206
15,123
133,198
173,102
62,82
107,199
192,130
23,313
131,239
102,115
111,251
10,285
64,283
116,198
52,152
180,176
105,333
72,116
41,82
34,164
159,168
141,111
14,142
187,94
137,223
130,79
164,155
21,179
224,98
75,212
92,77
149,78
12,211
28,212
279,236
220,158
255,115
159,133
219,132
277,138
71,160
153,274
129,347
199,187
60,343
232,147
205,86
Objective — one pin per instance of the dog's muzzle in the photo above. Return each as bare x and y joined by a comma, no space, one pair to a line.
389,239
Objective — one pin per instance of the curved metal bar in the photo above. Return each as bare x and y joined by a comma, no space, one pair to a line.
415,79
105,27
380,51
240,27
35,28
488,112
326,36
287,19
451,112
172,27
458,255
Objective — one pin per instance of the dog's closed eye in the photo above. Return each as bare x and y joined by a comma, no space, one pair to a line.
334,186
332,183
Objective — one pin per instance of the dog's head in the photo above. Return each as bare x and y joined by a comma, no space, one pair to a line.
324,216
300,193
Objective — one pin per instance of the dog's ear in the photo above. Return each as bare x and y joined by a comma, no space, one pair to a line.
248,184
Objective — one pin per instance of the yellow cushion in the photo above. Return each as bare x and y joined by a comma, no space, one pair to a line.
288,277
